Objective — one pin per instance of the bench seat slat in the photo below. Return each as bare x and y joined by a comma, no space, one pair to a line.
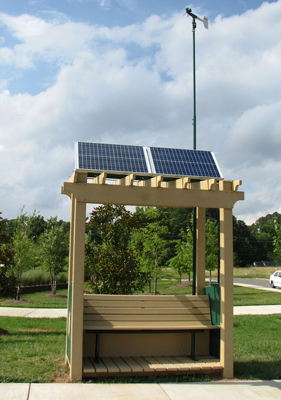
149,325
145,297
98,318
145,311
148,303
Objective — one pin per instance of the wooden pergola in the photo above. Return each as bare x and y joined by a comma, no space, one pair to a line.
181,193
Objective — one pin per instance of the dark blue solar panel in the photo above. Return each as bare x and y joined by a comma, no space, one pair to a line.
111,157
194,163
134,159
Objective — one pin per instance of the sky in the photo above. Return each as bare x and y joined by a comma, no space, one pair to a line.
120,71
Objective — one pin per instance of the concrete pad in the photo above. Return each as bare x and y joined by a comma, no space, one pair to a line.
257,310
266,390
48,313
90,391
33,312
14,391
15,311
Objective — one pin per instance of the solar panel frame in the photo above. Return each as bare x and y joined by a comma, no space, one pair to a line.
145,161
182,162
111,158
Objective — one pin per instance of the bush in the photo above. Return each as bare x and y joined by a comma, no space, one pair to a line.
7,285
35,277
62,277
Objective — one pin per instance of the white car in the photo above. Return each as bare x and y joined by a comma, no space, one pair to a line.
275,279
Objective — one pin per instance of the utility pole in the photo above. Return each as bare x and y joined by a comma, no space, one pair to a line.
205,22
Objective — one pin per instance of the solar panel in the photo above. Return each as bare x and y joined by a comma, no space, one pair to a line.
114,158
111,157
181,162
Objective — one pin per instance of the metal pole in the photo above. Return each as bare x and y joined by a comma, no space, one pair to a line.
205,22
194,85
194,148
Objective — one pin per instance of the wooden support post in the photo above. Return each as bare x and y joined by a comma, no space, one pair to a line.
70,264
226,269
77,292
200,250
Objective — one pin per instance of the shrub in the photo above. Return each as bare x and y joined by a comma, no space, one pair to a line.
35,277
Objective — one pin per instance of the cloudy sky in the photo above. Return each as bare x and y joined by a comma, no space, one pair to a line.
120,71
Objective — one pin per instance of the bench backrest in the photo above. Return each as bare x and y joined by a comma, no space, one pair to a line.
146,312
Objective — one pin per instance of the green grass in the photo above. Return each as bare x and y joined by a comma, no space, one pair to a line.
34,350
255,272
243,296
38,300
257,347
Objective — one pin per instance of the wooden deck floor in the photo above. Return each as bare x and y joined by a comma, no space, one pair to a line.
126,366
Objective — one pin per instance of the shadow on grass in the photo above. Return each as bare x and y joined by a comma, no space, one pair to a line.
257,370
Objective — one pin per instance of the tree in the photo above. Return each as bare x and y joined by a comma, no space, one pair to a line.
211,246
37,226
23,247
277,241
54,250
7,277
182,261
263,233
176,220
110,261
154,246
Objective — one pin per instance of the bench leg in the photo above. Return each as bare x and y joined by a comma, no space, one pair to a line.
97,349
192,346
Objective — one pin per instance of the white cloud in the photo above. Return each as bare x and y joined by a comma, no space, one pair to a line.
133,85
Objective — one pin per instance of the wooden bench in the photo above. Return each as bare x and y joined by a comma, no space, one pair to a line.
146,314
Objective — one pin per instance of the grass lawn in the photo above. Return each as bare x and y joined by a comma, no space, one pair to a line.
255,272
38,300
243,296
34,350
256,347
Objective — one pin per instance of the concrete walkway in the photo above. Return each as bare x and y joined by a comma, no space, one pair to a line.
33,312
230,390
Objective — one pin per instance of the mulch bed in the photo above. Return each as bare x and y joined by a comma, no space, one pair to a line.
181,285
56,296
17,302
4,332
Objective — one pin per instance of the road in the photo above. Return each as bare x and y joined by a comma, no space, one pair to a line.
255,283
252,282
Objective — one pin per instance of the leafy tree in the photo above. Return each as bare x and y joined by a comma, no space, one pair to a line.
176,220
110,261
23,247
211,254
37,226
277,241
154,246
263,233
7,277
182,261
54,250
